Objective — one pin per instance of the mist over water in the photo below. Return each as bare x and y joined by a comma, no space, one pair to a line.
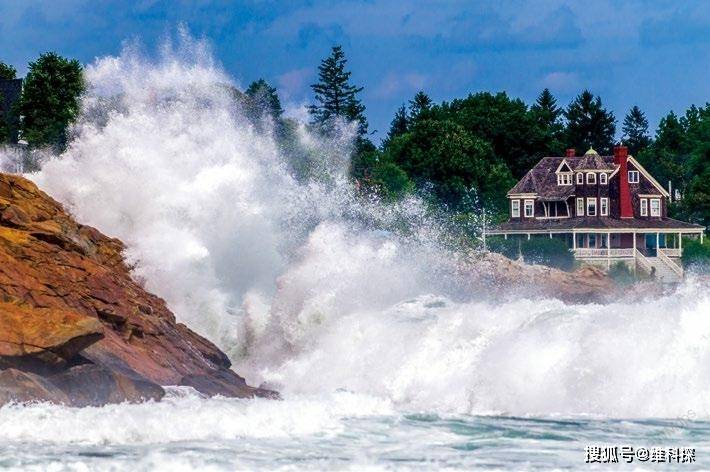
305,289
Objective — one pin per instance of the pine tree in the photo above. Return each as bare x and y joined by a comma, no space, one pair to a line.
7,72
336,98
546,111
264,99
399,126
419,106
589,124
50,99
635,130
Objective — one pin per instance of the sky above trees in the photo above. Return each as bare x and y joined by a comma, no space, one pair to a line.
654,54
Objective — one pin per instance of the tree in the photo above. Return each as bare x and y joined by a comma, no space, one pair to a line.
547,116
50,99
399,126
589,124
419,106
442,154
264,99
336,98
635,130
7,72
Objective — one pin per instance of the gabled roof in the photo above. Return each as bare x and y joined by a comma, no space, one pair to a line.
542,178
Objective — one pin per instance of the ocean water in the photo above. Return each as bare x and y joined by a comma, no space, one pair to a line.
361,313
341,431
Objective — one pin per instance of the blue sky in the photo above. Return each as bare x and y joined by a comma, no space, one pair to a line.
653,53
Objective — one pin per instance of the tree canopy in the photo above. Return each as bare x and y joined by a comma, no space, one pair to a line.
635,131
50,99
589,124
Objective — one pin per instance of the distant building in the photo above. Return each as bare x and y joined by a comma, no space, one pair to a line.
606,208
10,91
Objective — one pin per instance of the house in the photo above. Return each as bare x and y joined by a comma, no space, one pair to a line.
606,209
10,91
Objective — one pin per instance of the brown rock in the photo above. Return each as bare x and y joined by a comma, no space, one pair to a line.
22,387
38,339
51,264
94,385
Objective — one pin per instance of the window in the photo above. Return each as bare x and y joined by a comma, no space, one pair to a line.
592,240
644,207
633,176
602,178
604,206
529,208
655,207
602,241
564,179
591,206
515,208
580,178
580,206
591,178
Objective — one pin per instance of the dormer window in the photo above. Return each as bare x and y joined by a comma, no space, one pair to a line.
564,178
602,178
529,208
591,178
580,178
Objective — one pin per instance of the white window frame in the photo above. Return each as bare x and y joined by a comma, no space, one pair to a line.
529,204
580,178
603,178
591,178
657,210
580,206
564,178
593,206
515,208
604,206
644,207
634,180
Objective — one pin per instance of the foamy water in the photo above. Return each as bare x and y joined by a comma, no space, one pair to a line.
385,353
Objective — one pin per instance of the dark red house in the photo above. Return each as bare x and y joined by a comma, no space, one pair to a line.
606,208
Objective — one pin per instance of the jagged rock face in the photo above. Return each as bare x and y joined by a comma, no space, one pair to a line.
67,298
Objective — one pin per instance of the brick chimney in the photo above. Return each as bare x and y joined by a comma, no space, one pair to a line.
621,157
570,152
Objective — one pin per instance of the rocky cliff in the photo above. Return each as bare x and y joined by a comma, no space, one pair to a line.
76,328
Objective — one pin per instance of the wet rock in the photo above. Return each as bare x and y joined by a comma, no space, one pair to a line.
67,297
23,387
94,385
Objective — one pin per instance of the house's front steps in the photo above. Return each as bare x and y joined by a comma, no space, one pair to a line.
664,269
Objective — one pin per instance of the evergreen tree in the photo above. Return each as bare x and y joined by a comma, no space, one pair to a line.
399,126
264,99
546,111
547,116
419,106
336,98
589,124
635,130
7,72
50,99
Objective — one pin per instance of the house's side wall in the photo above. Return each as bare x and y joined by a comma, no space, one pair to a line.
644,187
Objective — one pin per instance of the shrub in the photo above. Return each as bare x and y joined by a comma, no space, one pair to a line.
510,248
549,252
621,273
696,256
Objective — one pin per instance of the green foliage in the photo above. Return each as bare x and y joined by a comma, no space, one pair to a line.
7,72
547,116
547,251
537,250
621,273
264,100
635,130
336,98
589,124
398,127
50,99
443,154
696,256
419,106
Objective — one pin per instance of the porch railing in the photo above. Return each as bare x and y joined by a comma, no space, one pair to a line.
671,264
669,252
603,253
643,262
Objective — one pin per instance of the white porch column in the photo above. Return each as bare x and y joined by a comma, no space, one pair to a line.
657,244
550,234
634,238
505,236
574,241
701,237
680,242
528,236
